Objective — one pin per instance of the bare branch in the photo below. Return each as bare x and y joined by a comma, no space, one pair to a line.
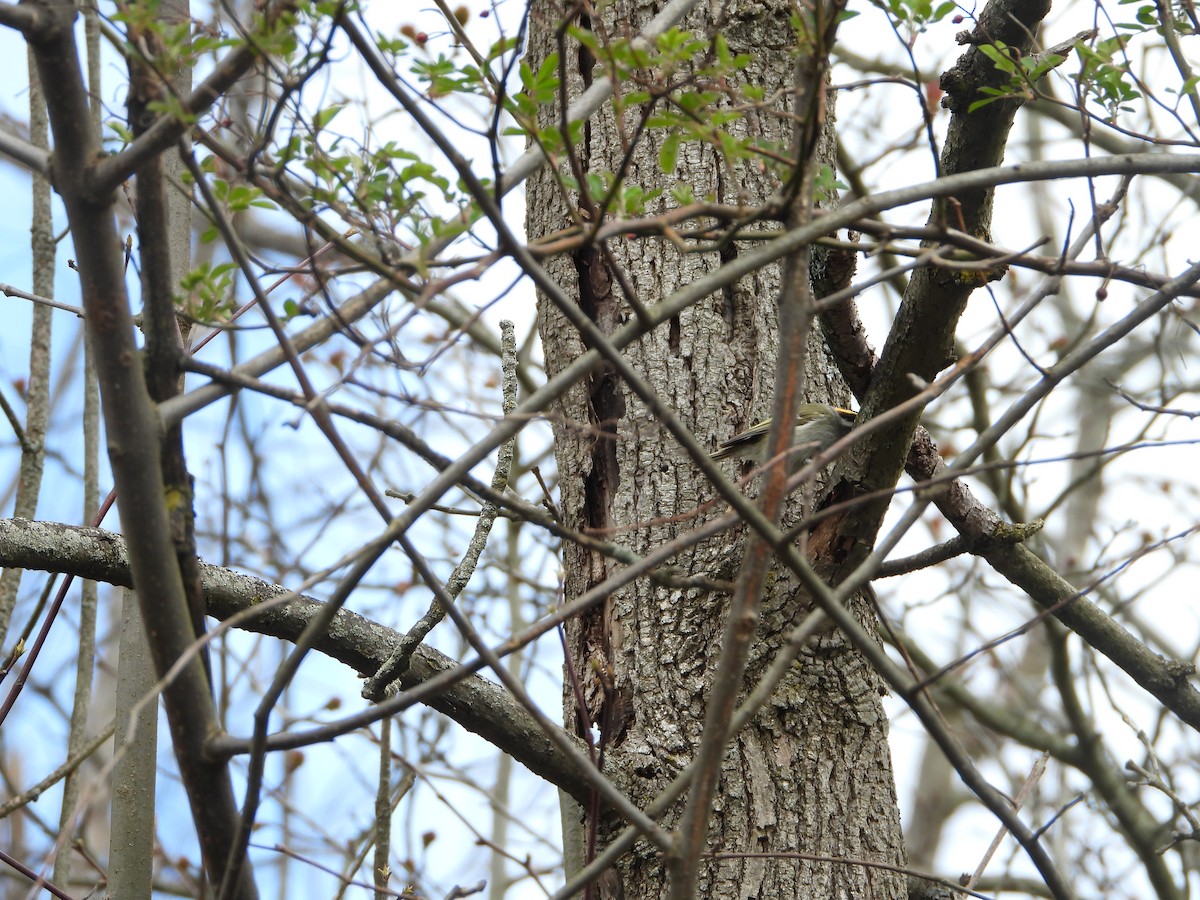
132,428
22,17
31,157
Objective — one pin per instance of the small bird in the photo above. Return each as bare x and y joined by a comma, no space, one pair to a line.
818,426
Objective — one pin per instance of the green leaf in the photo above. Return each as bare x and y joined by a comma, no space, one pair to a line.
668,154
547,73
502,46
944,10
327,115
124,135
978,104
682,194
1001,60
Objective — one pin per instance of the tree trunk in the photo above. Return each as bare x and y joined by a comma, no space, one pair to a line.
812,773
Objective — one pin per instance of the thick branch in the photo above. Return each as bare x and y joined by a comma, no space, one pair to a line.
35,159
24,18
477,704
921,339
131,424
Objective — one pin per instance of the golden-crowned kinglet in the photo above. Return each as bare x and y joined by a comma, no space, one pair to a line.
818,426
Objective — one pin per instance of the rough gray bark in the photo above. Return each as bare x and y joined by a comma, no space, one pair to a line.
812,773
37,394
